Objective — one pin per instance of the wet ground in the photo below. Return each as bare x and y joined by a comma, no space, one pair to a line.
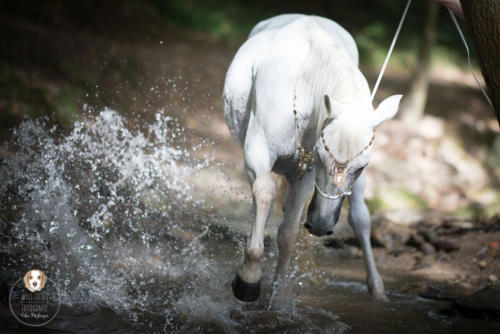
150,241
320,301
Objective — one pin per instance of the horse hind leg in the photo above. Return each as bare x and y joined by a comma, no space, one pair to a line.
359,218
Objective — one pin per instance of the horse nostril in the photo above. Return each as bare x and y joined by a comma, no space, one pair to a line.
306,225
328,232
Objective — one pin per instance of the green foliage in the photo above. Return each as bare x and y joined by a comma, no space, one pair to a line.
374,204
368,40
225,20
66,105
27,42
396,199
23,98
470,211
371,23
486,205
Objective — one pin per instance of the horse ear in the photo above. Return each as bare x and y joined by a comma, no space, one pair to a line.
327,104
332,108
386,109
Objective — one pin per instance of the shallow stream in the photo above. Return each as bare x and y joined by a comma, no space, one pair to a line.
114,216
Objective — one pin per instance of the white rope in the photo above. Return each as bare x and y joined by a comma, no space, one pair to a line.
374,91
468,57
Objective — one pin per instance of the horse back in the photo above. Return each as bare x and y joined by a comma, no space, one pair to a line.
268,41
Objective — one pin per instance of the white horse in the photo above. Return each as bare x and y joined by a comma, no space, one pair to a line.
305,66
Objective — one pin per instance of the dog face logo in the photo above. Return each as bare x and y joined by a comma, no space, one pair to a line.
34,280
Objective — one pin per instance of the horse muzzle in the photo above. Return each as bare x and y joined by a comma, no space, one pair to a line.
319,225
317,232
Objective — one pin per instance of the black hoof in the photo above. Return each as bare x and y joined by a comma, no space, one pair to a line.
247,292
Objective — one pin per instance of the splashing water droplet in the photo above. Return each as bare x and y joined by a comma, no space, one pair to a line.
127,230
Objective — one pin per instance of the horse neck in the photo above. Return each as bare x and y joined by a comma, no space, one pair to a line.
328,69
342,84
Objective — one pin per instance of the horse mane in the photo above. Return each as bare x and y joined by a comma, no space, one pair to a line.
328,69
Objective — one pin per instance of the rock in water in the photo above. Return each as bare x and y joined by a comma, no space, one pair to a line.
484,304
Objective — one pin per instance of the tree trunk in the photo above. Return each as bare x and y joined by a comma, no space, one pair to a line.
483,20
413,106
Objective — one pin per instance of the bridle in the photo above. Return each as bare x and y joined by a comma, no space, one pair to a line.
340,169
337,195
306,159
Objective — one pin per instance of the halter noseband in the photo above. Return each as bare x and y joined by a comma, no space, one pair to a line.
336,196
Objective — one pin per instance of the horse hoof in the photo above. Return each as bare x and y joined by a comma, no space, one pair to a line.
247,292
380,298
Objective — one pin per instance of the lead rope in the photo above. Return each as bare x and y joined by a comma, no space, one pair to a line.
454,19
339,173
468,57
381,74
303,166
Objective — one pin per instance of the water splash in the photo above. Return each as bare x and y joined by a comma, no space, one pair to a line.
88,204
111,214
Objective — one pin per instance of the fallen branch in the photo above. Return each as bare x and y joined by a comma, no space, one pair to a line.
462,230
436,241
419,242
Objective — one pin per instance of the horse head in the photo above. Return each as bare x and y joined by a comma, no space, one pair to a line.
342,153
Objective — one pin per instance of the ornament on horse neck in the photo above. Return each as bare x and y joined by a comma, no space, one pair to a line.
339,176
306,160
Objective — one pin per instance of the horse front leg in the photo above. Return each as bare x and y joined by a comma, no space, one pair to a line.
246,285
297,194
359,218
